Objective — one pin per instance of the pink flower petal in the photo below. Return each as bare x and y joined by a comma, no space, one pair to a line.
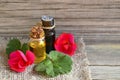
13,61
72,49
71,38
65,43
17,61
18,69
22,64
18,54
66,47
30,56
14,54
22,55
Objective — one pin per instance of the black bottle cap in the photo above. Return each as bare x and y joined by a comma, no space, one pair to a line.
47,21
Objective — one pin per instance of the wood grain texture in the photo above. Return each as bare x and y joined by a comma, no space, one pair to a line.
104,61
105,72
96,20
104,54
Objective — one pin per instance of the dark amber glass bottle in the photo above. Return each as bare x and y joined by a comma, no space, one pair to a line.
49,29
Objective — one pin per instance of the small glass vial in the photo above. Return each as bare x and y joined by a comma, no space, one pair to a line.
37,43
49,29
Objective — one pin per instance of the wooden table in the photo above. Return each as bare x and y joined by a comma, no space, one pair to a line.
97,21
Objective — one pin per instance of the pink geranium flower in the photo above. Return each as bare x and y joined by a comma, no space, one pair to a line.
18,61
65,43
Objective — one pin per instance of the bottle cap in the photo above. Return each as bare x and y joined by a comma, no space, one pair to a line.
37,32
47,21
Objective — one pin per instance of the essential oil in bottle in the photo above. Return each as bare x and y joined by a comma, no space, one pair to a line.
37,43
49,29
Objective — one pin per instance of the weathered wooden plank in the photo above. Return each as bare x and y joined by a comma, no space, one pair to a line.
89,39
52,1
65,22
55,6
94,20
66,1
82,22
89,31
105,72
97,32
109,14
104,54
36,6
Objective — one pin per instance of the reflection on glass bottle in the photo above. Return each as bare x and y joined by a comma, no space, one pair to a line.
37,43
49,29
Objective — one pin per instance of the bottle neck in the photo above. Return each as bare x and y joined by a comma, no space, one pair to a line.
49,27
37,39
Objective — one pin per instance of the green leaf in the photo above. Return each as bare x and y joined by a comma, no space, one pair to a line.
25,47
56,63
49,70
42,66
13,45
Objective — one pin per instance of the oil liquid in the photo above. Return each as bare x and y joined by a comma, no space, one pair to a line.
38,47
50,39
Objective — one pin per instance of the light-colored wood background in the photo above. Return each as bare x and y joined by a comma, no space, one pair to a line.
97,21
104,61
